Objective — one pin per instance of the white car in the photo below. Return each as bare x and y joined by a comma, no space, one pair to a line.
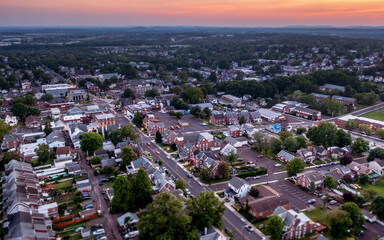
98,232
204,124
249,228
131,234
168,157
79,229
277,165
187,191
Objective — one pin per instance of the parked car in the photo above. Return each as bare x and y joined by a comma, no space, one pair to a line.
187,191
204,124
177,126
277,165
353,186
249,228
88,206
98,232
333,202
158,152
131,234
311,201
172,128
148,143
260,156
97,226
168,157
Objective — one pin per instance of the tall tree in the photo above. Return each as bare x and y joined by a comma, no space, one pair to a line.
165,218
48,128
330,182
193,95
123,195
275,144
4,129
142,188
128,93
138,119
324,134
340,221
290,144
180,184
159,138
360,145
343,138
206,210
223,170
90,142
127,155
354,213
377,207
295,166
275,226
44,154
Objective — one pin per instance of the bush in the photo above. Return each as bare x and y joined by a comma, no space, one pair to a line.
258,172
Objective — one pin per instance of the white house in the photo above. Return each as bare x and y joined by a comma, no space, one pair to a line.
239,187
228,149
377,165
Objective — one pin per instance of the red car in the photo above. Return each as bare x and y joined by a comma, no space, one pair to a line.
172,128
177,126
260,156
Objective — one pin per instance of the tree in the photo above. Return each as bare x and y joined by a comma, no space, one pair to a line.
95,160
275,144
312,187
4,129
343,138
295,166
330,182
290,144
138,119
44,154
275,226
123,195
159,138
206,174
127,131
195,111
380,133
364,128
377,207
363,179
260,141
47,97
348,197
346,159
254,192
340,221
180,184
165,218
128,93
8,156
212,77
223,170
142,188
369,194
232,157
301,142
208,112
301,130
324,134
360,145
127,155
48,128
20,110
193,95
375,153
354,213
206,210
173,146
284,135
350,124
151,93
182,75
90,142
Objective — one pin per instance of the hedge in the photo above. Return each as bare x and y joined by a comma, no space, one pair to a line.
258,172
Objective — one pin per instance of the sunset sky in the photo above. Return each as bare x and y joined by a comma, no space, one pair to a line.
246,13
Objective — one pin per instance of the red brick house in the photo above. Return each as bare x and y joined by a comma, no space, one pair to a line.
10,142
153,127
232,118
264,207
234,131
346,101
169,137
308,113
148,119
218,119
373,124
32,122
305,179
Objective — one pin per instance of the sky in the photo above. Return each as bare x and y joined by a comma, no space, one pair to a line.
233,13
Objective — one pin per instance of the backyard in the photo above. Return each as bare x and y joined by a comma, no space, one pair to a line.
377,115
378,187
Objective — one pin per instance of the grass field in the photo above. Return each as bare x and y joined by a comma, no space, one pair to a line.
378,187
377,115
318,215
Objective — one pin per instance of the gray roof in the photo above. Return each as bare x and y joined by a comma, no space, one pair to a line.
54,136
286,155
236,182
133,216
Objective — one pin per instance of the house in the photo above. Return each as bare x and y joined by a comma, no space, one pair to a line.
133,220
255,117
231,118
307,113
227,150
305,179
271,116
297,225
377,165
357,169
307,155
108,162
169,136
213,233
105,119
56,139
346,101
9,119
10,142
202,106
285,156
32,122
320,152
153,127
342,171
320,97
335,150
218,119
234,131
329,86
236,142
274,128
83,184
237,188
63,152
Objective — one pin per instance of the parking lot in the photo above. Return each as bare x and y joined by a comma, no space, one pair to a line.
195,125
249,155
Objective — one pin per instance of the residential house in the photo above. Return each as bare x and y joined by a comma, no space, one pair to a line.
105,119
153,127
320,97
237,188
236,142
234,131
10,142
320,152
308,113
32,122
9,119
64,152
255,117
218,119
305,179
345,100
377,165
297,225
307,155
133,221
227,150
56,139
285,156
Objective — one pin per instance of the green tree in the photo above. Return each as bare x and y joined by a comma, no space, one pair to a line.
375,153
127,155
242,120
193,95
380,133
208,112
142,188
369,194
159,138
180,184
223,170
123,198
350,124
47,97
364,128
324,134
151,93
206,210
127,131
275,144
340,221
275,226
138,119
301,130
254,192
363,179
260,141
165,218
206,174
213,77
295,166
330,182
90,142
290,144
232,157
343,138
8,156
360,145
354,213
195,111
182,75
44,154
377,207
20,110
128,93
4,129
284,135
301,142
48,128
95,160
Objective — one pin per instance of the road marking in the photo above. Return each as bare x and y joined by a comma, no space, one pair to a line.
241,233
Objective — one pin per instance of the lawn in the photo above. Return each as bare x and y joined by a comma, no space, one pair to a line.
62,184
318,215
377,115
378,187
